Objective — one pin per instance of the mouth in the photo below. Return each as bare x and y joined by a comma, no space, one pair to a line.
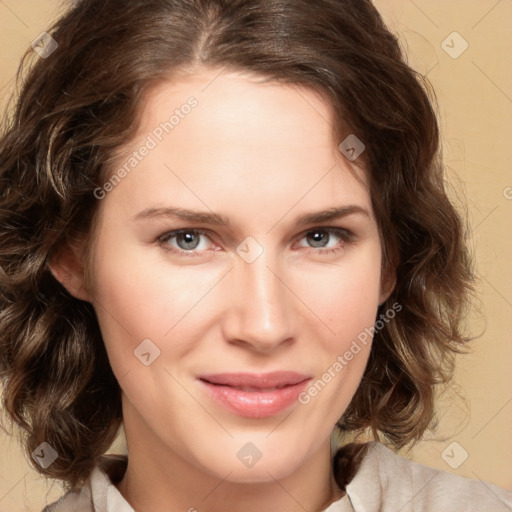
255,395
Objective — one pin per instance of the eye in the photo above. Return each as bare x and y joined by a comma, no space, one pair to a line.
193,242
327,240
187,242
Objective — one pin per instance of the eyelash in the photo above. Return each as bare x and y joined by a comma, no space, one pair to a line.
344,235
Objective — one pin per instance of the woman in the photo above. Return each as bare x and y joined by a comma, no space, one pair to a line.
224,226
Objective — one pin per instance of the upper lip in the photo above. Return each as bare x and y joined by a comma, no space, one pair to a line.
255,380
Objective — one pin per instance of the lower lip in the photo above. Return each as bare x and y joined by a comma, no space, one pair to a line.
255,404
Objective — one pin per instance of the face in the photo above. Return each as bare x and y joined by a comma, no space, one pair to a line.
224,295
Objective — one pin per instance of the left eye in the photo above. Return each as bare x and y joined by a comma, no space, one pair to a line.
319,239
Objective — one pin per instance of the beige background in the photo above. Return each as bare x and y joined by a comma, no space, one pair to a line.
475,97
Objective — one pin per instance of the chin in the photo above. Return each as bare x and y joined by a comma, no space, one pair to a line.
259,473
276,466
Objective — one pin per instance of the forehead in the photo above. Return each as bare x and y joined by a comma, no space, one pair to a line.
232,135
228,98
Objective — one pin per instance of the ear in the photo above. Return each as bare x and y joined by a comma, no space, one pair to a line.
67,267
387,284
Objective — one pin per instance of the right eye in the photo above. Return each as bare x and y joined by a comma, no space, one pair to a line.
185,242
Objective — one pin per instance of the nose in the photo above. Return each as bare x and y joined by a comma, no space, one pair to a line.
260,314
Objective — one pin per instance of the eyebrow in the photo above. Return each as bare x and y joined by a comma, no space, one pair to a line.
182,213
332,214
219,220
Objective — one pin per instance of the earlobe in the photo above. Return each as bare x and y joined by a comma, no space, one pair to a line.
66,268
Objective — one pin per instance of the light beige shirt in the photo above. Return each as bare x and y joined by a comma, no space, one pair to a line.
385,482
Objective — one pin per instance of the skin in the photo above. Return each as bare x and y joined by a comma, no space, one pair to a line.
260,155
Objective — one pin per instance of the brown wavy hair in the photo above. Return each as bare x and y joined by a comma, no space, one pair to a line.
78,106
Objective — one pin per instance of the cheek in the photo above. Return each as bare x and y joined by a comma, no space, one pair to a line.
345,298
349,302
138,298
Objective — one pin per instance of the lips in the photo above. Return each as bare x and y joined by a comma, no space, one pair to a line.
255,395
256,381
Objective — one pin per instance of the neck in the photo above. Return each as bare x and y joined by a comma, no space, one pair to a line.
155,492
160,480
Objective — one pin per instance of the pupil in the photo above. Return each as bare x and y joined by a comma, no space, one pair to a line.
318,237
188,241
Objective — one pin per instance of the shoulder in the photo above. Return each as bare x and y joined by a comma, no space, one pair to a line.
387,482
98,492
77,501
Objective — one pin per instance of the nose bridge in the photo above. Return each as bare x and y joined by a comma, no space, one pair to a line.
261,314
